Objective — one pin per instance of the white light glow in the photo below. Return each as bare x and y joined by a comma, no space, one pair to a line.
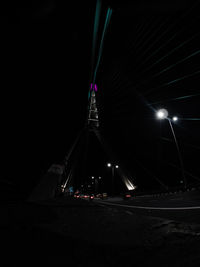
162,114
109,164
129,184
116,166
175,118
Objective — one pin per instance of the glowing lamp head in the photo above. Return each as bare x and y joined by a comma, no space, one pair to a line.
116,166
109,164
162,114
175,118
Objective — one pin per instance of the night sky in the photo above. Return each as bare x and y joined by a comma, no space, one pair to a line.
150,55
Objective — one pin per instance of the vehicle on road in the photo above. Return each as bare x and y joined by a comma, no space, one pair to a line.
91,197
127,196
104,195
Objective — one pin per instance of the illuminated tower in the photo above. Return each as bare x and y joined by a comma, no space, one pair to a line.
93,117
92,120
73,173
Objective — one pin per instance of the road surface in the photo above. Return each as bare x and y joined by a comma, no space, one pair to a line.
181,206
79,233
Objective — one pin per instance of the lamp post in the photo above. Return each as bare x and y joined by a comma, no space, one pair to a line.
113,167
163,114
99,184
93,184
96,182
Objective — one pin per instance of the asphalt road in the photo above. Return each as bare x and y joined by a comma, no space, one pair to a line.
76,232
180,206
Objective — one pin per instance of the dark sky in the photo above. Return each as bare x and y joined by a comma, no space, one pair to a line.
45,73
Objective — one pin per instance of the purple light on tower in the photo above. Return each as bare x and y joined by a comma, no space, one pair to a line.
94,88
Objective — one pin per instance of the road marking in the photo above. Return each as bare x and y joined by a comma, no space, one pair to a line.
150,208
129,212
180,198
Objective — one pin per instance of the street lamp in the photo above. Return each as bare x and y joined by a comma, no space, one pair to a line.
175,118
95,182
163,114
113,174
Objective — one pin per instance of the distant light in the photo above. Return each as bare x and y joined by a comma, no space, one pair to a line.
116,166
92,177
109,164
99,177
162,114
175,118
